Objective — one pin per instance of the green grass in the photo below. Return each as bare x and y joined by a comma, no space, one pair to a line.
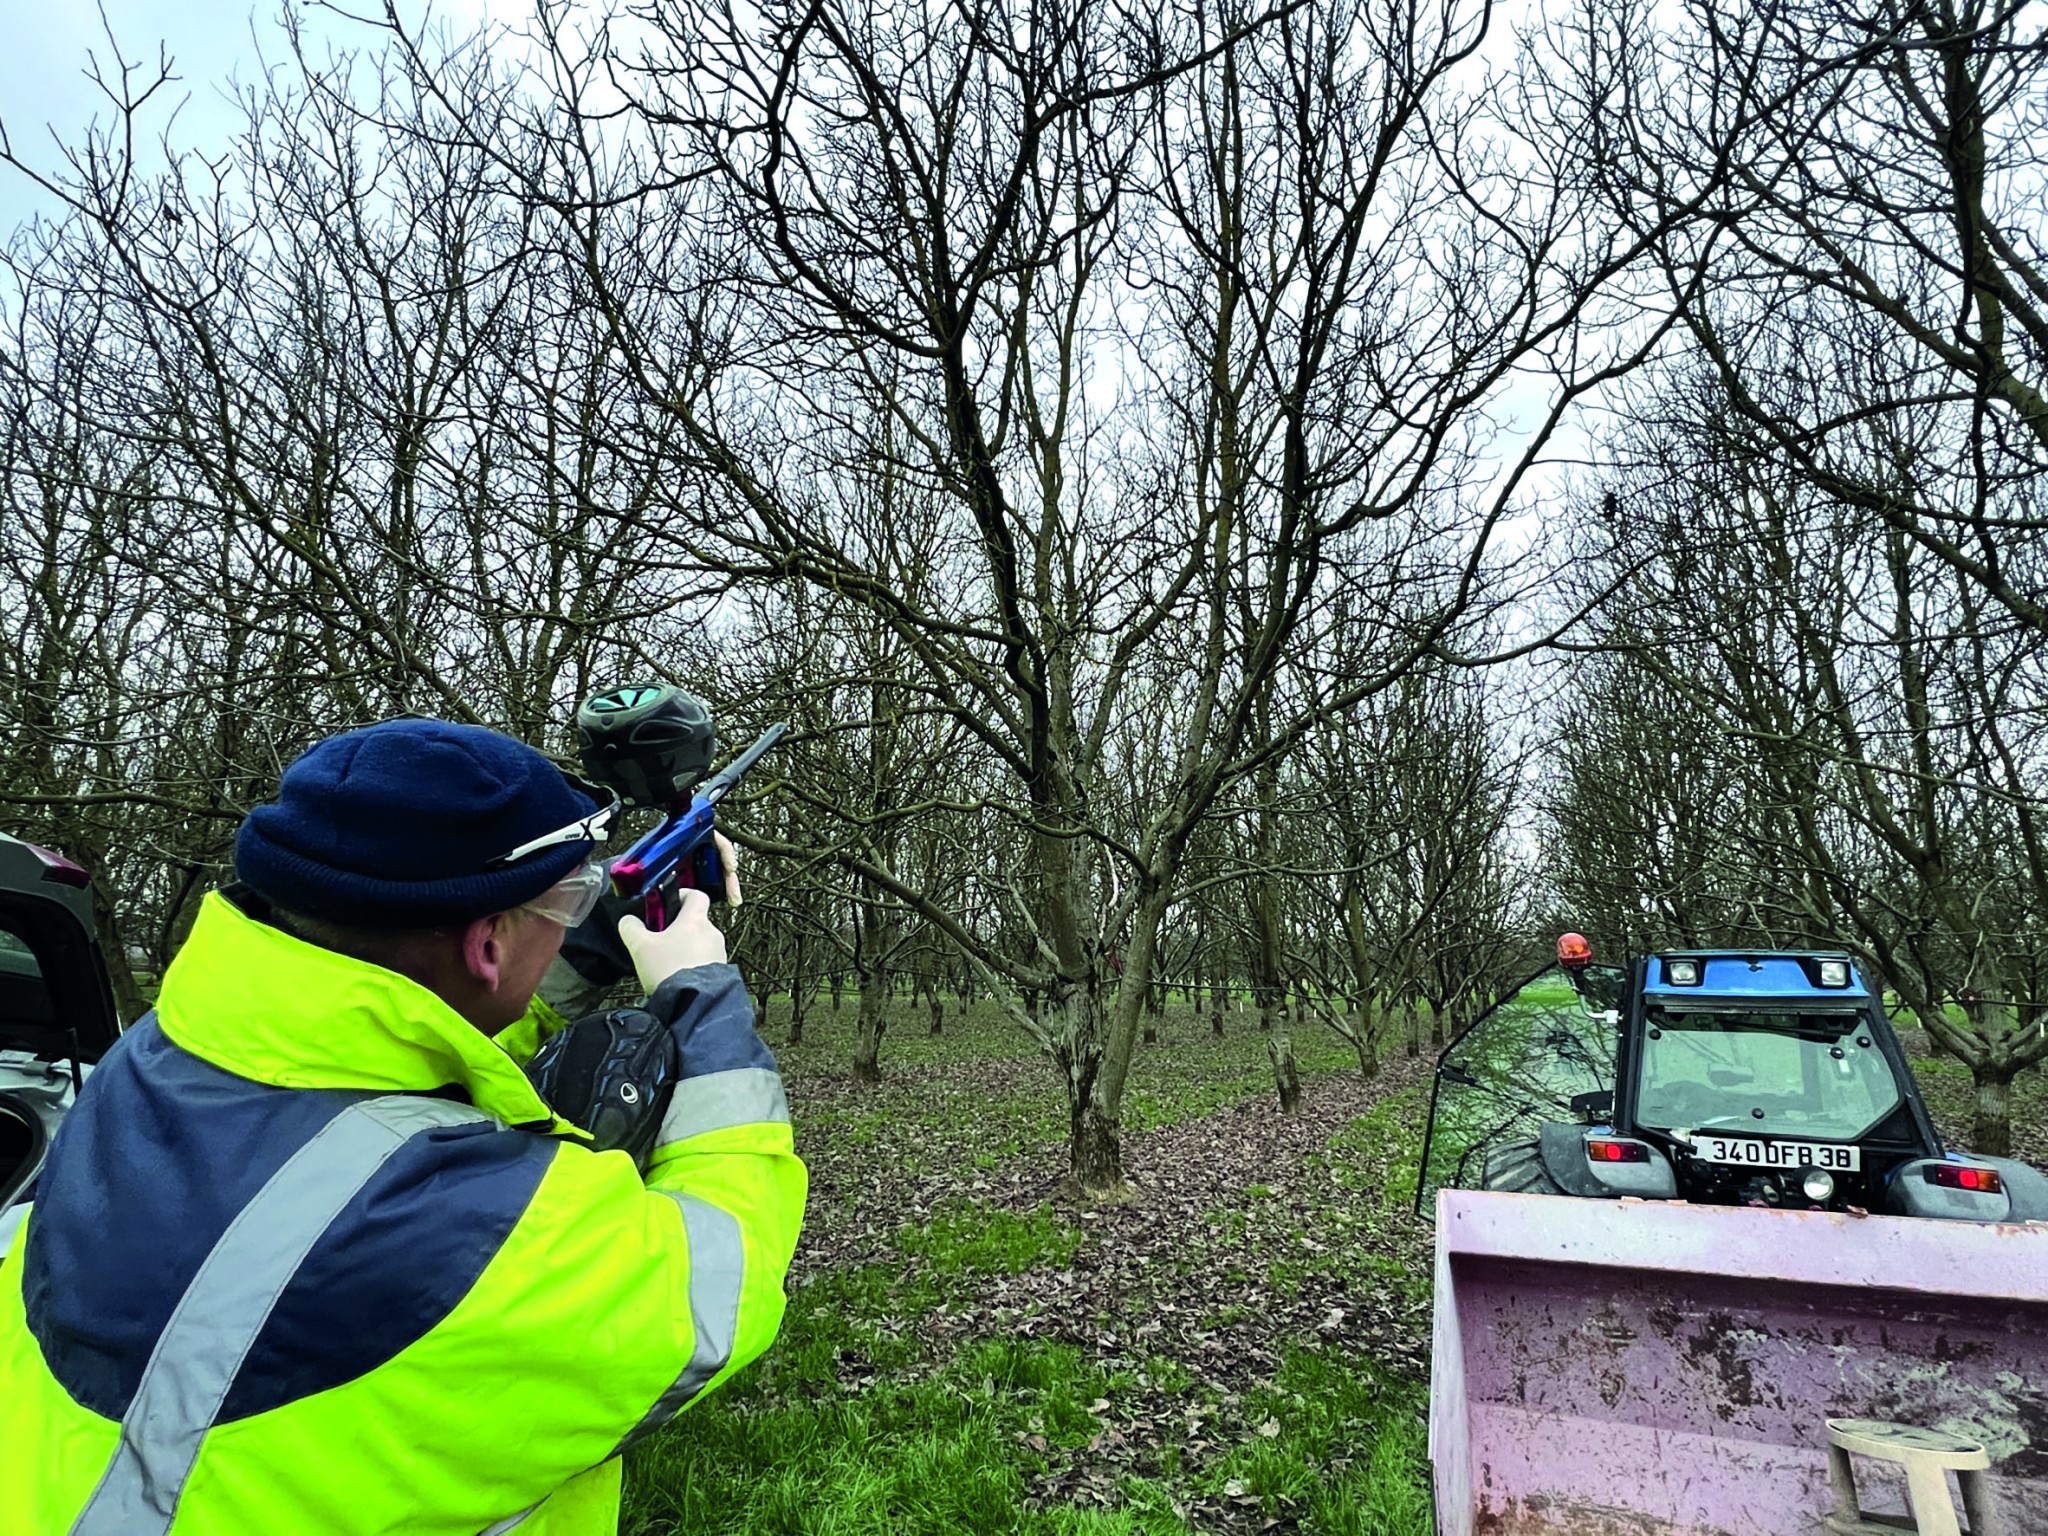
934,1111
1550,992
1338,1440
1342,1411
985,1032
868,1416
941,1453
973,1240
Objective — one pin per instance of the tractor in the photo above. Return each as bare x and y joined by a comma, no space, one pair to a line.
1749,1078
1691,1212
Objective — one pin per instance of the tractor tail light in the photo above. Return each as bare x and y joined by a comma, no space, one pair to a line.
60,869
1600,1149
1983,1181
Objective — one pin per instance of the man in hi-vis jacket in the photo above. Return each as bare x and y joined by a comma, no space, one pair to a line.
311,1255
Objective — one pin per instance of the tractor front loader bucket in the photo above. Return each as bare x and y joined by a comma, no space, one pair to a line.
1632,1368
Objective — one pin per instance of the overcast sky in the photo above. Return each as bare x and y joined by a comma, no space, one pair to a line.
45,46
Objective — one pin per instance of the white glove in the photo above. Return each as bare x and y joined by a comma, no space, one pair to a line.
689,940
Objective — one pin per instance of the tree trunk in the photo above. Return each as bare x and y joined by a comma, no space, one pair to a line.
871,1021
1991,1132
129,1002
799,988
1102,1037
1096,1158
838,983
937,1007
1364,1033
799,1002
1272,1009
1286,1079
1216,1009
1268,949
1413,1022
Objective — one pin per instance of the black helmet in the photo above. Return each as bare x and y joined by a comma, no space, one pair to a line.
652,742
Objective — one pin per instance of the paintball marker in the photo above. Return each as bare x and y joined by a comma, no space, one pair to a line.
653,743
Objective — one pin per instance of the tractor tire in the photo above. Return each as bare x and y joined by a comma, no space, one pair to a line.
1517,1168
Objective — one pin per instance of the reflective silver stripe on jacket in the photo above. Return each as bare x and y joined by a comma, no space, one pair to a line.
718,1267
718,1101
217,1321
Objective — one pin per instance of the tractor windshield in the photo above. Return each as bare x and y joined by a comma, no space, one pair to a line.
1811,1074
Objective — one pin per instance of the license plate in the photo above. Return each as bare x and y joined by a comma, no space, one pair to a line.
1756,1152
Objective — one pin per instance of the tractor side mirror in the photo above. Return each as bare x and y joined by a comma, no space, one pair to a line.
1592,1107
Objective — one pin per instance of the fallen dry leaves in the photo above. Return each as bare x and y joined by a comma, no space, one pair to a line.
1173,1290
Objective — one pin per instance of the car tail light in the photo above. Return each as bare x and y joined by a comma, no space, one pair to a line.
60,869
1983,1181
1601,1149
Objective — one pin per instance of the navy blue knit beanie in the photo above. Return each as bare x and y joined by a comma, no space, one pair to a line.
397,826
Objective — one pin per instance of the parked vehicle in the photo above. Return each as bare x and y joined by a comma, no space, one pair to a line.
57,1015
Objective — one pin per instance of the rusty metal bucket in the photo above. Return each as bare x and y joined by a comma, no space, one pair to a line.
1658,1369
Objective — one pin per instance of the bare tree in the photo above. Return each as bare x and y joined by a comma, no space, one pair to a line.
1877,209
836,244
1875,697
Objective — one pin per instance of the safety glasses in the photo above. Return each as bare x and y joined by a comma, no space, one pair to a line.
594,828
572,899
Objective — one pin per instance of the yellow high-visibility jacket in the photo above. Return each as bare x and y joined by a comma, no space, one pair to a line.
310,1255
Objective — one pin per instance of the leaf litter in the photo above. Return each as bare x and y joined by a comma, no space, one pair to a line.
1248,1233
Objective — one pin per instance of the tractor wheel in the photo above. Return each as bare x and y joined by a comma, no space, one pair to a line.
1518,1168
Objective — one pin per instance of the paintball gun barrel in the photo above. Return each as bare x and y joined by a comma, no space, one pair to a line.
653,743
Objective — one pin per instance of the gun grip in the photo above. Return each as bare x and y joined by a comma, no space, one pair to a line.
707,874
659,903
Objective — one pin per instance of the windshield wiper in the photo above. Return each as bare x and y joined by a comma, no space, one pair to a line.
1737,1024
1814,1035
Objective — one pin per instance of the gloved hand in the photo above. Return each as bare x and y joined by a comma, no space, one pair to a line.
595,951
689,940
729,861
612,1074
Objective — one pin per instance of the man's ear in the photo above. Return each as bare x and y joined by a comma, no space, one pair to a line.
483,949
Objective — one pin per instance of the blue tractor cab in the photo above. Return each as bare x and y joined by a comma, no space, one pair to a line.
1722,1077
